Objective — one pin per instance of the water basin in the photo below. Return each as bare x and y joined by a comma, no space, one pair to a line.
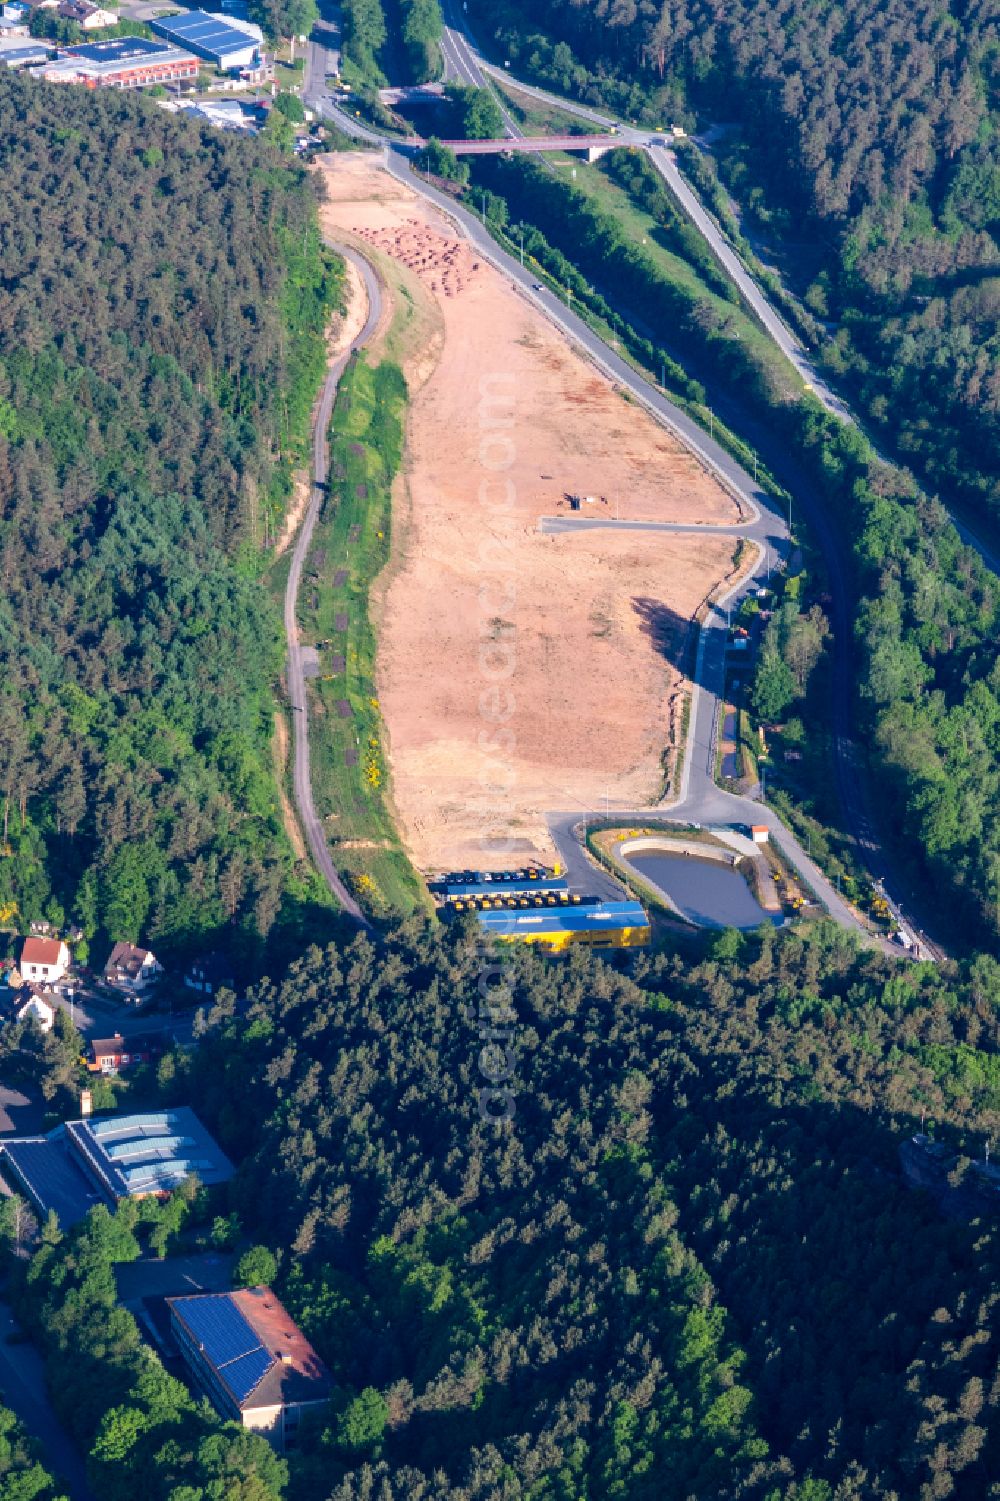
706,892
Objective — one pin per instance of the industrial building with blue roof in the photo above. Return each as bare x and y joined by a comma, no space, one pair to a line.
619,925
227,43
136,1155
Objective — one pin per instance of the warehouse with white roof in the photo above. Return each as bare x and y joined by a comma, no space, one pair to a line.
228,43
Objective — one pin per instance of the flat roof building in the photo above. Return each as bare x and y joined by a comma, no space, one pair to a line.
133,1156
112,1157
619,925
132,62
28,56
228,43
252,1362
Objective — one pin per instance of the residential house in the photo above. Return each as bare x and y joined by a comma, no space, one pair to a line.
16,10
28,1001
109,1055
209,974
131,969
44,960
87,16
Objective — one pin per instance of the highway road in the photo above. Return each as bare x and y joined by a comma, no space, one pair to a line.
462,63
302,784
701,800
319,59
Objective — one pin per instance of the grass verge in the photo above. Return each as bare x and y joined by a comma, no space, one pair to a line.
350,549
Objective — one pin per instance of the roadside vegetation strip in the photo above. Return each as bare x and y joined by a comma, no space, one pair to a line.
538,117
350,549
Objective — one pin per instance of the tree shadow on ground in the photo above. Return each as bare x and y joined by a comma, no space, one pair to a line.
674,637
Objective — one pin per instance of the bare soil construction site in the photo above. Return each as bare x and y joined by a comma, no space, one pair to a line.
520,672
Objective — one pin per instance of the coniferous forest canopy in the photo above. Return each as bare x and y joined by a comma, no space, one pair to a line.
687,1267
163,296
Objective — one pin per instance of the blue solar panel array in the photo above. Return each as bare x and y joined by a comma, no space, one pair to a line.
217,1324
212,36
118,50
227,1342
244,1375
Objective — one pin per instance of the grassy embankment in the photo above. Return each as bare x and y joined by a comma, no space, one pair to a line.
680,258
350,549
536,117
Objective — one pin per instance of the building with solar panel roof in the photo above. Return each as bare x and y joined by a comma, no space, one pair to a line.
228,43
252,1362
103,1159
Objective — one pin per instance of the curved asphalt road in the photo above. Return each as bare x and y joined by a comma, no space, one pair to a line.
296,678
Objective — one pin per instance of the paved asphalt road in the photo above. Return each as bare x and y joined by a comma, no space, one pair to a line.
302,784
22,1388
701,800
553,525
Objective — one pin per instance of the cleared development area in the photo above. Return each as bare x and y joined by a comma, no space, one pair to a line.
521,668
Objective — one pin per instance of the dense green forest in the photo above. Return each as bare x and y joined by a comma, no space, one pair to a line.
164,295
566,1232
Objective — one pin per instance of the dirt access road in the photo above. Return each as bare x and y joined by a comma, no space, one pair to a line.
519,669
298,698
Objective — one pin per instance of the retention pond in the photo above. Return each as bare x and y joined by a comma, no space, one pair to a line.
706,892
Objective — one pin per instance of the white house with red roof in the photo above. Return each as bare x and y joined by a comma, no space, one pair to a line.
44,961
